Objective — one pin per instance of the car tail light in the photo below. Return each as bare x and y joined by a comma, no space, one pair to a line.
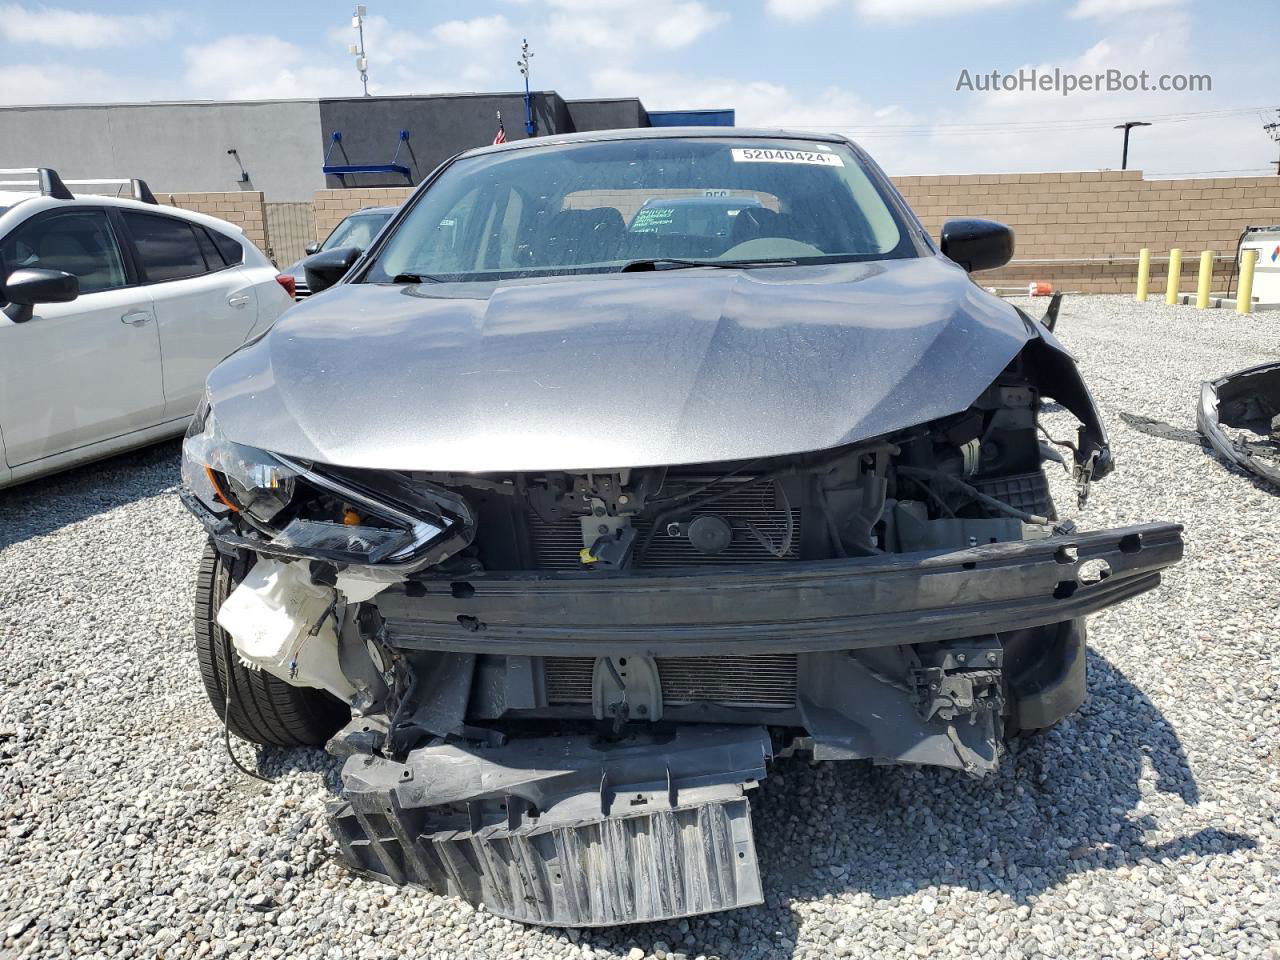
290,285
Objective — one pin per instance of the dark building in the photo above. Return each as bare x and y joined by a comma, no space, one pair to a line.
416,133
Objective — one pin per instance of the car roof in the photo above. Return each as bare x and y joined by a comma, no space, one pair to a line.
656,133
370,210
36,202
16,195
11,198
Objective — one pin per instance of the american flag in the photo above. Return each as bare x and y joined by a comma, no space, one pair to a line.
501,135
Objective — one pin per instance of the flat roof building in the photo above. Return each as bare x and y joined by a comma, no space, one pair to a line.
280,147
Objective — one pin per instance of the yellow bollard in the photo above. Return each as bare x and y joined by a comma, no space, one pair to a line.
1244,296
1206,279
1175,276
1144,273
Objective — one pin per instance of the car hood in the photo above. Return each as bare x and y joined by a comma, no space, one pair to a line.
616,370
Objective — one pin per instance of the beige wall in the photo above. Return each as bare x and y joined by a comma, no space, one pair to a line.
1108,215
1111,214
333,205
244,208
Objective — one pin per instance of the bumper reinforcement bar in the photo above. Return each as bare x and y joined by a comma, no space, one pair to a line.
794,607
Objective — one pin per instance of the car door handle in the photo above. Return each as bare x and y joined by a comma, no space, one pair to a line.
238,300
136,318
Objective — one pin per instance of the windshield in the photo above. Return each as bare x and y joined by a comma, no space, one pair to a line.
358,230
592,207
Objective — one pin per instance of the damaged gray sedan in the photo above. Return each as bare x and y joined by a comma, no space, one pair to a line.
620,465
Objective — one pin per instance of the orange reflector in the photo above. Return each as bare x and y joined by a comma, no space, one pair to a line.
350,518
1037,289
217,490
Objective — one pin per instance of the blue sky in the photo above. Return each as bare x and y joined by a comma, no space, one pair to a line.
884,71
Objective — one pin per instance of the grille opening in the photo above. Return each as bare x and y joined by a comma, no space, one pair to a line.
767,680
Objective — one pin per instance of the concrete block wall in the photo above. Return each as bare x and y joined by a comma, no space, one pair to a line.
244,208
1098,216
333,205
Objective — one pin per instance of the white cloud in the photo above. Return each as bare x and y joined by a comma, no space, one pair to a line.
901,11
1067,132
621,26
82,31
756,103
986,132
586,6
257,66
799,9
57,83
383,41
464,51
685,23
1111,9
479,32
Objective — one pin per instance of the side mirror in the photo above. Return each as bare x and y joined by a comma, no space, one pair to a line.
977,244
31,285
311,248
323,270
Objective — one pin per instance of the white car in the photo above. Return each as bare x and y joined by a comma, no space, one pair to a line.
112,313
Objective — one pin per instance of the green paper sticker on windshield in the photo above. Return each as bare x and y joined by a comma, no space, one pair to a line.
649,219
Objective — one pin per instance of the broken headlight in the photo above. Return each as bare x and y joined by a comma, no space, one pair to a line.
228,476
292,508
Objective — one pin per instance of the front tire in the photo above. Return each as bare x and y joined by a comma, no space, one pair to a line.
263,709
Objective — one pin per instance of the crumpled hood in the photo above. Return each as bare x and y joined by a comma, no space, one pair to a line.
616,370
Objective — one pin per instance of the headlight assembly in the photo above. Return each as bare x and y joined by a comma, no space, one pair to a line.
228,476
282,506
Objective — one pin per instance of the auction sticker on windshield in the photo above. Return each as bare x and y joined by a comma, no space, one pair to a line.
765,155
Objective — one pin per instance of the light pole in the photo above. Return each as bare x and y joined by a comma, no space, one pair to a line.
357,49
530,125
1126,127
1273,131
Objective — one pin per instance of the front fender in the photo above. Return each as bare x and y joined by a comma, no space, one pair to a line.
1053,371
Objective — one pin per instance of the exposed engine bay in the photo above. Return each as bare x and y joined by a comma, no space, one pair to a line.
539,665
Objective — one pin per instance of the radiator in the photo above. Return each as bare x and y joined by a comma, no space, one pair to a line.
556,546
754,681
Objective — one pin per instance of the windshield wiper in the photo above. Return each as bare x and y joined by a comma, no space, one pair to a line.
676,263
414,278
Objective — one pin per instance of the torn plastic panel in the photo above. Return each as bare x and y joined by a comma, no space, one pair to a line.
565,831
653,822
1050,319
1248,399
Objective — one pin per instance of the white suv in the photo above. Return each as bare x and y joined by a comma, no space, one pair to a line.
112,313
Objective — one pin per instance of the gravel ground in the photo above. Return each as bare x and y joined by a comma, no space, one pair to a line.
1143,826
